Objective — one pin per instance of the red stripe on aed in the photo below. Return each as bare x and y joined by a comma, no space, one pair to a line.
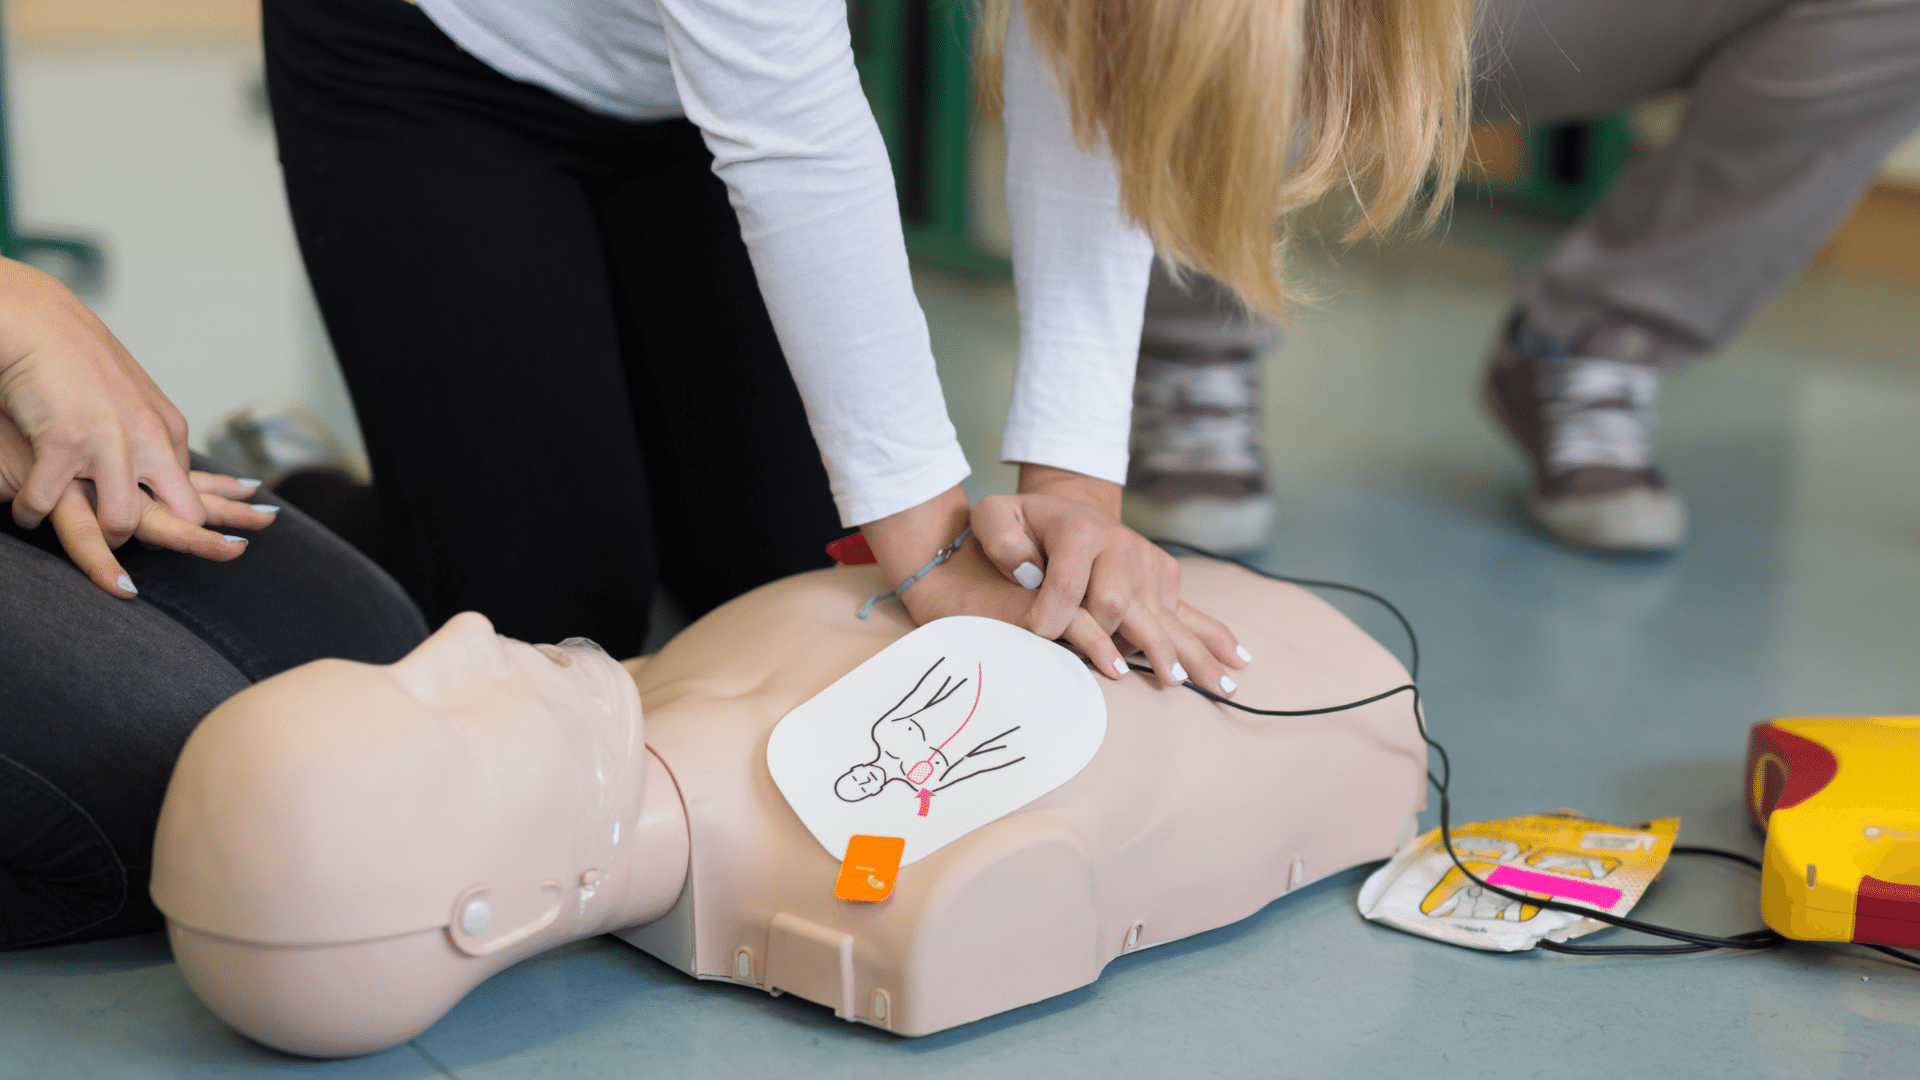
1887,913
1784,770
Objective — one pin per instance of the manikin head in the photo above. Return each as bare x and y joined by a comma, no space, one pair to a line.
472,799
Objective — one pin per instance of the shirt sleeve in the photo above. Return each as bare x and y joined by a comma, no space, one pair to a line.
1080,268
773,88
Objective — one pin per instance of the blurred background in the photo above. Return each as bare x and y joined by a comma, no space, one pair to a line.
140,167
138,128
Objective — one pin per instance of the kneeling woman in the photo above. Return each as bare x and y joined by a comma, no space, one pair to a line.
550,312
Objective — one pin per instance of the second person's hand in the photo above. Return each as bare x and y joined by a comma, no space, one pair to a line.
87,410
221,500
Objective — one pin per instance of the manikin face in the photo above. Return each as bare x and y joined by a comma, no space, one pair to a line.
475,759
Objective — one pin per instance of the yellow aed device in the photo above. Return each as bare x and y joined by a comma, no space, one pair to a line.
1839,798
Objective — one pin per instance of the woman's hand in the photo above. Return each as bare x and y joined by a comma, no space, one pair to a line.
1104,587
966,584
1064,529
75,522
87,411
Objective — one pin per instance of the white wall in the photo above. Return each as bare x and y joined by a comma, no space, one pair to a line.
162,152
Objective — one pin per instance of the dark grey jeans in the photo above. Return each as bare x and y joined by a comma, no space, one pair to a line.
97,696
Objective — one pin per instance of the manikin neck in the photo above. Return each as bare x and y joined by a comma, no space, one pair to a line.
651,866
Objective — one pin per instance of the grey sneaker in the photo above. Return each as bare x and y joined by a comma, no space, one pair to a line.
1585,419
1197,473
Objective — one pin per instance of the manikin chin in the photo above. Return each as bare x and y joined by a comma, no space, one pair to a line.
346,850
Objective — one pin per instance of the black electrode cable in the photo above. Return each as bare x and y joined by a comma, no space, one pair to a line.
1893,952
1413,639
1691,941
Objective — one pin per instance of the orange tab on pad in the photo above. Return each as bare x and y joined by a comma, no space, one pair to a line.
868,871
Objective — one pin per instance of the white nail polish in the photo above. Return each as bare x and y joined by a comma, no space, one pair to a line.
1028,575
265,508
1227,685
126,584
1119,663
1245,656
1179,673
249,481
234,539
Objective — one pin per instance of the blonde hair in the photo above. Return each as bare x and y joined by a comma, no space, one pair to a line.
1225,117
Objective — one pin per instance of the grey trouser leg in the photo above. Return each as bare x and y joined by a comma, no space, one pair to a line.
1795,103
98,695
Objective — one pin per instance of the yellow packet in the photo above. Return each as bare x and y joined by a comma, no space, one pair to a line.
1560,855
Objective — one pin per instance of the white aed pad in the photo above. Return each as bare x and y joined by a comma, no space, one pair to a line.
959,723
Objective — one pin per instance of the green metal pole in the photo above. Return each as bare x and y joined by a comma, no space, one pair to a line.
7,245
930,42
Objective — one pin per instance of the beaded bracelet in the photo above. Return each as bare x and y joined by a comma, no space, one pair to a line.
939,557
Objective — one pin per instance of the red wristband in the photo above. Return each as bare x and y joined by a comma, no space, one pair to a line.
851,550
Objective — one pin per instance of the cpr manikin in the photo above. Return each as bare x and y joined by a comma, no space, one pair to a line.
346,849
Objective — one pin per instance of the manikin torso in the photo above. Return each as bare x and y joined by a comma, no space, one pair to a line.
343,855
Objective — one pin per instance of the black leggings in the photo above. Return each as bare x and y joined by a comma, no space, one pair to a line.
97,696
556,346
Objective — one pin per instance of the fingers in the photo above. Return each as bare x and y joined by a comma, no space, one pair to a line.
1097,645
1166,573
1071,549
160,528
79,532
1002,532
171,486
1145,631
117,497
49,478
1213,634
77,524
1202,667
232,502
176,425
118,502
1175,653
227,513
1110,591
1099,581
226,487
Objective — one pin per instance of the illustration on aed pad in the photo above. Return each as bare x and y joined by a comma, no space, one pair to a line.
1572,864
906,750
1457,898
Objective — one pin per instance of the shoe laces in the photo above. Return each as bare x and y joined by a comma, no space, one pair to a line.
1206,444
1599,412
1196,417
1188,387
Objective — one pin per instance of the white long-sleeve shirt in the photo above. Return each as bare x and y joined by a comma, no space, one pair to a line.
772,87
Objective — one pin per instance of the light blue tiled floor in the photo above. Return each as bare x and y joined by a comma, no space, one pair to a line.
1622,687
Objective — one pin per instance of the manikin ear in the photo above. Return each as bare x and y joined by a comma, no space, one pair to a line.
443,669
